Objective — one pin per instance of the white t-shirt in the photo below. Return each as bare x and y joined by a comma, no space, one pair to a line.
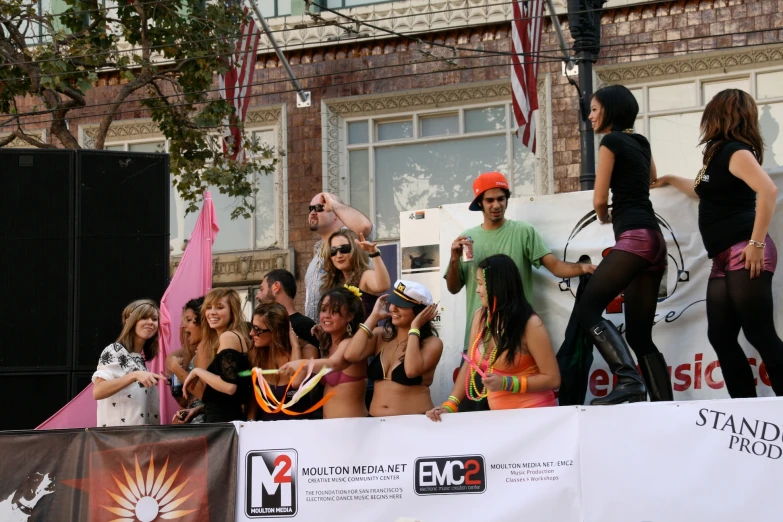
134,405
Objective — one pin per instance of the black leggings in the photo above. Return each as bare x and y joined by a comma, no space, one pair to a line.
619,271
737,301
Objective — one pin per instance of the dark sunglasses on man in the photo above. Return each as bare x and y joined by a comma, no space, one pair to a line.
317,208
342,249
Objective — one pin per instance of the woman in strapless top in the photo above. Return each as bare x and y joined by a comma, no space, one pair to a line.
406,350
340,312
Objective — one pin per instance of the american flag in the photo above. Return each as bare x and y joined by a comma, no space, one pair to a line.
525,38
235,86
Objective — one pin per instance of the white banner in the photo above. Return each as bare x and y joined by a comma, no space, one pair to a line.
483,466
680,331
681,462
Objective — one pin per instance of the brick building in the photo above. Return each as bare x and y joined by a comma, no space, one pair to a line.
395,126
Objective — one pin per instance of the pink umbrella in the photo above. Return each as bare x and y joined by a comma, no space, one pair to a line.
193,278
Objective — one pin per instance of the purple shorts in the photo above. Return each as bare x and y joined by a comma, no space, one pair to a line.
646,243
729,259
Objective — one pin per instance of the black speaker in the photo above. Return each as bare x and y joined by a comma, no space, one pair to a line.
36,235
122,242
31,398
84,234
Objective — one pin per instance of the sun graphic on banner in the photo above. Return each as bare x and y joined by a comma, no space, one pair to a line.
146,500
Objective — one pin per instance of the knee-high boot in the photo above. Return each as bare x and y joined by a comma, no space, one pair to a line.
656,377
613,349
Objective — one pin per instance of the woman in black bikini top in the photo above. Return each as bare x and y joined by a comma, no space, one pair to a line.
407,350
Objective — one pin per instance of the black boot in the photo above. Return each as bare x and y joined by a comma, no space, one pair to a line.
613,349
656,376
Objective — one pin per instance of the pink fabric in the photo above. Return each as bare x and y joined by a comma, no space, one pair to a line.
193,278
729,259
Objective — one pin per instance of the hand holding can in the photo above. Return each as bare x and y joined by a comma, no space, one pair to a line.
467,250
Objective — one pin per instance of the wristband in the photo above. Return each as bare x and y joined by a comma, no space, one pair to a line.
415,331
757,244
454,400
365,329
450,406
375,254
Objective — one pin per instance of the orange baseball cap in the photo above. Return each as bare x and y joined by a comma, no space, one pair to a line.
483,183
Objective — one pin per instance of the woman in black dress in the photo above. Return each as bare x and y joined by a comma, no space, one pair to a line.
221,356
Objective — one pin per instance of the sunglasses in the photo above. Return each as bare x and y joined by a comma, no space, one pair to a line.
259,331
342,249
316,208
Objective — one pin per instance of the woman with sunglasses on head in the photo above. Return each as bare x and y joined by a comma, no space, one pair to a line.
223,349
126,392
349,264
182,361
406,350
736,203
511,347
341,311
274,345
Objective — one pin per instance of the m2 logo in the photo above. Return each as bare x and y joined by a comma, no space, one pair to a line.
449,475
271,483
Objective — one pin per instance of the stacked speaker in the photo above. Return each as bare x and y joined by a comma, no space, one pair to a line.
83,233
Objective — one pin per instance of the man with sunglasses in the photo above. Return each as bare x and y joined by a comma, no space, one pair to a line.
498,235
328,215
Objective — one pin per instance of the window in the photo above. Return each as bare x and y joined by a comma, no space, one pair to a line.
670,114
260,231
430,158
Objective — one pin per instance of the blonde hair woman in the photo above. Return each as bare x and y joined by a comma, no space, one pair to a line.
124,389
223,350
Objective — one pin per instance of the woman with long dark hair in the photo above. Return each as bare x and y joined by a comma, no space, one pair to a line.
126,392
223,350
274,345
182,361
349,264
736,203
636,264
511,347
406,350
341,311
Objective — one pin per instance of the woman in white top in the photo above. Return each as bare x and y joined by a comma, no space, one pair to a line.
126,392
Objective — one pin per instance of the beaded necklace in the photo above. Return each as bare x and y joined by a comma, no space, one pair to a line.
471,388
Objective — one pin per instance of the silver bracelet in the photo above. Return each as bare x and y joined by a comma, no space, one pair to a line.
757,244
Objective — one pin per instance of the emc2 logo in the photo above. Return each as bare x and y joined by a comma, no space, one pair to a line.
271,483
449,475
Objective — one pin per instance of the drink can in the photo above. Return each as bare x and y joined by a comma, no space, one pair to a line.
467,251
176,386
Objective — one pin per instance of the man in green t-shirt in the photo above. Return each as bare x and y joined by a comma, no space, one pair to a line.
498,235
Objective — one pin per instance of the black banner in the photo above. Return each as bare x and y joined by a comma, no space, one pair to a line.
135,474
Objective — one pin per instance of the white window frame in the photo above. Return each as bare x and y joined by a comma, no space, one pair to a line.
415,116
645,114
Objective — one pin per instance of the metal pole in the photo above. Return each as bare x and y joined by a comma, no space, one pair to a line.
567,58
586,135
302,95
584,21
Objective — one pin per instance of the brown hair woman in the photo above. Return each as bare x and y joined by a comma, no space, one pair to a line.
736,203
274,345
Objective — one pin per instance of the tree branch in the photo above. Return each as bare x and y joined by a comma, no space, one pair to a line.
19,133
